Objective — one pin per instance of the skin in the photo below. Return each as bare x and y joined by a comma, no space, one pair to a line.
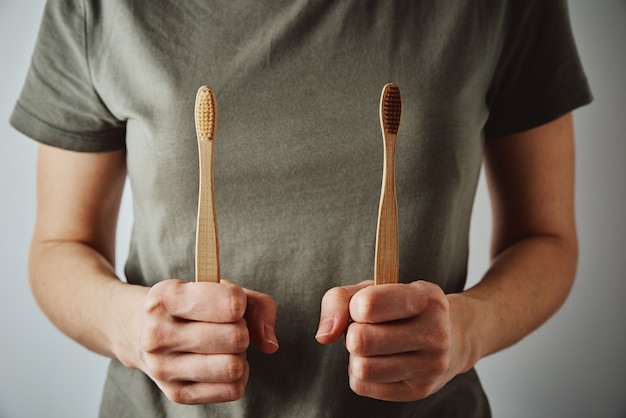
408,340
405,341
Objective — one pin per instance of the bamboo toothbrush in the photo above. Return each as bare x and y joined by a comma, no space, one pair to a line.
207,247
386,260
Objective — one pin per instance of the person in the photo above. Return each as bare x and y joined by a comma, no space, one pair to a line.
298,163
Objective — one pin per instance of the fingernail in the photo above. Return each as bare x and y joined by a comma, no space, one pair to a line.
325,327
270,335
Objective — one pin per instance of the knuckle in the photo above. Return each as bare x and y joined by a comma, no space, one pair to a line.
237,388
160,375
239,338
440,339
159,294
337,296
360,368
356,340
236,391
153,337
171,393
438,365
337,293
433,366
234,369
179,393
357,386
157,369
362,305
421,389
238,303
155,299
440,302
436,296
416,390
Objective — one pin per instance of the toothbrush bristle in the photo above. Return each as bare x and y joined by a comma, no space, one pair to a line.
391,108
205,114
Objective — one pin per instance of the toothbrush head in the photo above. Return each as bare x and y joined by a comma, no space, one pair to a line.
390,108
206,114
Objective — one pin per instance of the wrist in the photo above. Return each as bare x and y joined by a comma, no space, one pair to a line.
467,340
126,304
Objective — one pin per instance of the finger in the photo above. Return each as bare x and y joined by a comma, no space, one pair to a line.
423,367
428,333
198,301
261,318
335,312
193,393
198,368
403,391
184,336
391,302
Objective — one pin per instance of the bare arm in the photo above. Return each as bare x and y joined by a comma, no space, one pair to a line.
72,254
194,350
407,340
534,243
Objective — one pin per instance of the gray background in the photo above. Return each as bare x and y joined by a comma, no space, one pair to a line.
572,367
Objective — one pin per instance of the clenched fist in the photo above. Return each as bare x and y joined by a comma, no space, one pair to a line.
191,338
399,336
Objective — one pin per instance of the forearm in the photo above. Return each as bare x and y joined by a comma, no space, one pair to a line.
78,290
525,285
72,253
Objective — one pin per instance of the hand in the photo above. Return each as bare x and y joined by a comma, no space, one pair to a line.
192,338
401,339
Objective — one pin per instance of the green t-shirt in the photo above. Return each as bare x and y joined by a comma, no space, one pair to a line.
298,157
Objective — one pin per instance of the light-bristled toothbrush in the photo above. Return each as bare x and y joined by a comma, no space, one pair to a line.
386,261
207,245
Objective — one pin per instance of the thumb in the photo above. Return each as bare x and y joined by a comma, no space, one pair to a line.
335,314
261,318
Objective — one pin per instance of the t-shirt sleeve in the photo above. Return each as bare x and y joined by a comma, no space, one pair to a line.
539,76
59,104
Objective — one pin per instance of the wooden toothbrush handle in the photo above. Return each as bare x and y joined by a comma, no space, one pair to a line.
207,248
386,264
